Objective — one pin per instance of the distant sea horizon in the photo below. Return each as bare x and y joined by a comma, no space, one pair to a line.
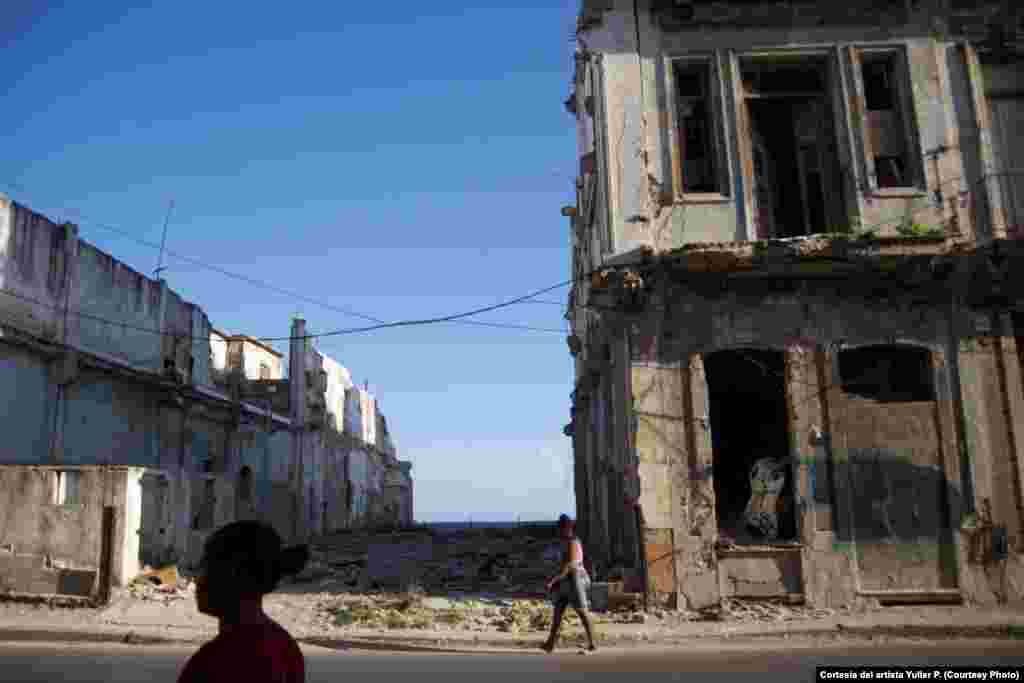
474,524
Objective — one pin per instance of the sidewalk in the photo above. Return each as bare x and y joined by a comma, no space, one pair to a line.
152,622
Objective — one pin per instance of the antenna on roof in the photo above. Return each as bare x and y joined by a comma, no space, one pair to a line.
163,241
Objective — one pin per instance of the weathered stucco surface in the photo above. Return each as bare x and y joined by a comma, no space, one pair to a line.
880,488
137,384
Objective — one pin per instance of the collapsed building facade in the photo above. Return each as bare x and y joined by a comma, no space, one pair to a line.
132,428
796,314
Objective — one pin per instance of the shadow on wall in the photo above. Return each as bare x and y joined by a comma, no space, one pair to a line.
884,496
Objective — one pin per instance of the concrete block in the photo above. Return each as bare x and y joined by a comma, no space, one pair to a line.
701,590
761,575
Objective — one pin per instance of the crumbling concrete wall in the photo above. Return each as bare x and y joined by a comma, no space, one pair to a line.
51,546
38,273
965,439
860,532
32,522
137,390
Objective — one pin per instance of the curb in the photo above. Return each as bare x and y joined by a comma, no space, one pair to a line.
395,646
1004,631
483,646
9,635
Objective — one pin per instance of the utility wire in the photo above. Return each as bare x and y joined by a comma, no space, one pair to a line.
266,285
528,298
334,333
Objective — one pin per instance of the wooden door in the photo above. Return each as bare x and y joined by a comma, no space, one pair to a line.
892,488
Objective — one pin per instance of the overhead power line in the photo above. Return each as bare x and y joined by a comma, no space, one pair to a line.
334,333
266,285
454,318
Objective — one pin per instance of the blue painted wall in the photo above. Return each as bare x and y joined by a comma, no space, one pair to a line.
110,290
109,422
24,414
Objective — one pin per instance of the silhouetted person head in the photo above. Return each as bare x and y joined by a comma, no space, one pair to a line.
242,562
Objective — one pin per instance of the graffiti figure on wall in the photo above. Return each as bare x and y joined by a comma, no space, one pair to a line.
767,479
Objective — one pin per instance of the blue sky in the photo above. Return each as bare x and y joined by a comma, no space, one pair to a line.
403,160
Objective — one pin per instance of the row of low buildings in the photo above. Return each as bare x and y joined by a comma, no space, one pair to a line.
798,315
131,428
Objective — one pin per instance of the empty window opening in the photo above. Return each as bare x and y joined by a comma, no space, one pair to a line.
66,487
886,119
245,483
204,517
698,141
888,374
750,440
798,187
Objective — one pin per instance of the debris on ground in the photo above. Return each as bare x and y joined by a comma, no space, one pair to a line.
161,585
164,576
773,611
505,561
482,580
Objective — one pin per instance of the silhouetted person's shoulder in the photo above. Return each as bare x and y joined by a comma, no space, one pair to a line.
257,653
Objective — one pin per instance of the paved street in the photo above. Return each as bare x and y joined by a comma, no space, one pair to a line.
772,660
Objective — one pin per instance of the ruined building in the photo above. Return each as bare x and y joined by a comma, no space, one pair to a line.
132,428
796,312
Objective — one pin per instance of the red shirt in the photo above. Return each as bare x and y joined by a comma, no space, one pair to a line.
259,653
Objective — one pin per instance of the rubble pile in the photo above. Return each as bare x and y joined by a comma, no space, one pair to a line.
773,611
161,585
482,580
389,611
494,560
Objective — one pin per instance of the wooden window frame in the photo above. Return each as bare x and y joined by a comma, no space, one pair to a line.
716,101
834,97
908,114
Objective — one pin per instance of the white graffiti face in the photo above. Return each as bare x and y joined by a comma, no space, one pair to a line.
767,478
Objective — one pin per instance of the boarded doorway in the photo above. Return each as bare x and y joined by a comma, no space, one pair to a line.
893,494
750,439
798,188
